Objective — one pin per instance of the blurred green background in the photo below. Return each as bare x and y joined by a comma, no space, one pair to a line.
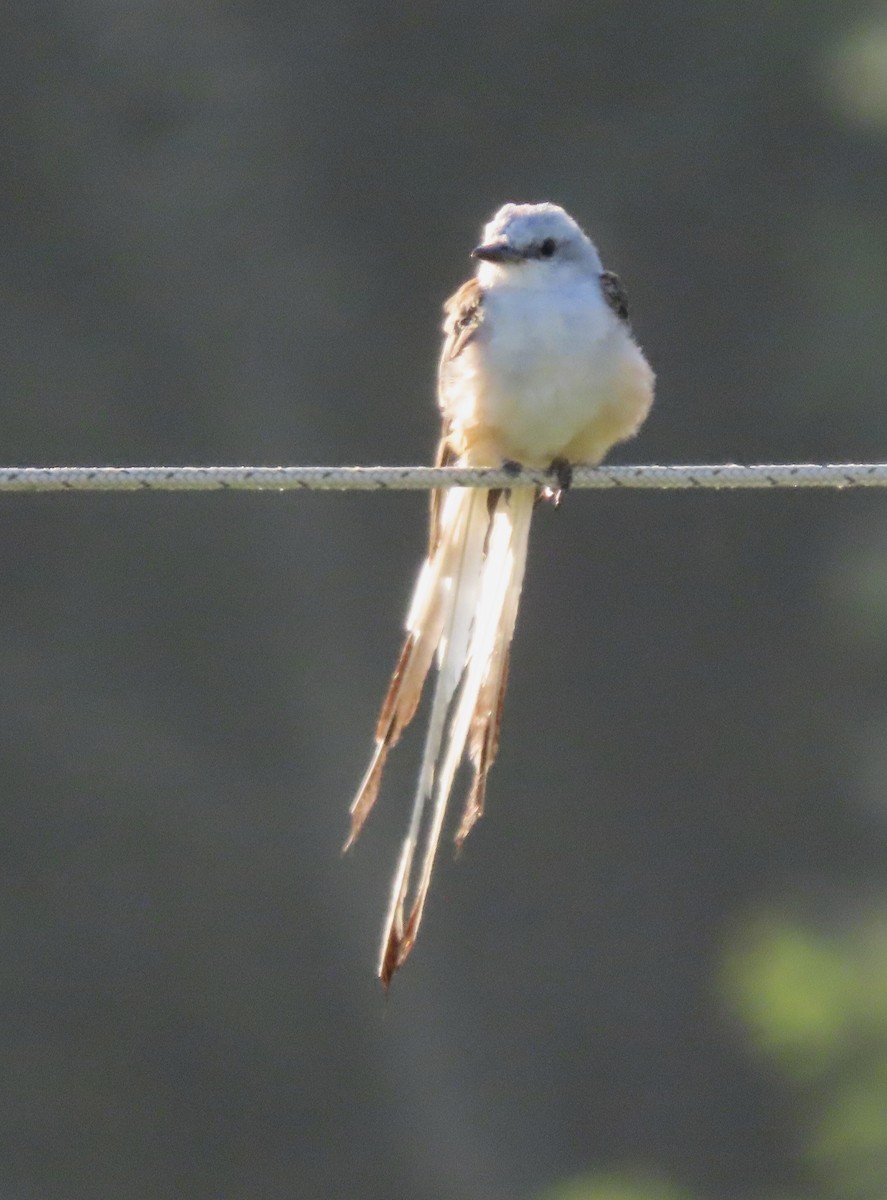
659,970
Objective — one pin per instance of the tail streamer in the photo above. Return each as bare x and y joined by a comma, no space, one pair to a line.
463,612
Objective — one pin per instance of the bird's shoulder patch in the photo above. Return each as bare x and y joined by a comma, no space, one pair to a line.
463,316
615,294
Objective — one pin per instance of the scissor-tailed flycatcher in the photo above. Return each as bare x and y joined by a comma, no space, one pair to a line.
539,367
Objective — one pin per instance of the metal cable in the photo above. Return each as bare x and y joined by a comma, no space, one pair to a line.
260,479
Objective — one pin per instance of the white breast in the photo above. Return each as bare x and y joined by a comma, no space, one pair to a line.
540,369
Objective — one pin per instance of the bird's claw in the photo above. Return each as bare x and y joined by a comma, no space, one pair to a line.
562,470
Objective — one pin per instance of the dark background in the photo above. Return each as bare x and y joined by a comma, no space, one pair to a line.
660,967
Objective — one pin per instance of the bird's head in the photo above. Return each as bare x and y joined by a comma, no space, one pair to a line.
529,243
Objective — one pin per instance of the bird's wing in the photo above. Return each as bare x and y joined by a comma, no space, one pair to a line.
615,294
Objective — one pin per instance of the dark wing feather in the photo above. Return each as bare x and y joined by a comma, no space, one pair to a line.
615,294
463,317
463,314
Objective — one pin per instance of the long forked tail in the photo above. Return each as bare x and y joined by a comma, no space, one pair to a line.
464,609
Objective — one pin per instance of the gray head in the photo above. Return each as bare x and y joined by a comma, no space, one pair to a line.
535,237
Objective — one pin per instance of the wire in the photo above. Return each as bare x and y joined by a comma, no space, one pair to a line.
262,479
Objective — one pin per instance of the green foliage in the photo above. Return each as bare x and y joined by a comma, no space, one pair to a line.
617,1186
815,1003
858,74
792,989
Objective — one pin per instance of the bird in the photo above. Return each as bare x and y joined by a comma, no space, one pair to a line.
539,368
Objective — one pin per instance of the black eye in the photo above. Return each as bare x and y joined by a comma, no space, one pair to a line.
548,248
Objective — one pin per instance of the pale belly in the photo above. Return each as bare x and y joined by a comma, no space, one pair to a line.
561,383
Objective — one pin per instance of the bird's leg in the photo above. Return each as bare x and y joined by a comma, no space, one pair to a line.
562,470
512,467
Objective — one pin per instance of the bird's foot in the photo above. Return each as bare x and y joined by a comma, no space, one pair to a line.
562,470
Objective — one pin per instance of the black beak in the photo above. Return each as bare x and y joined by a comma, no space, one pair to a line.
495,252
